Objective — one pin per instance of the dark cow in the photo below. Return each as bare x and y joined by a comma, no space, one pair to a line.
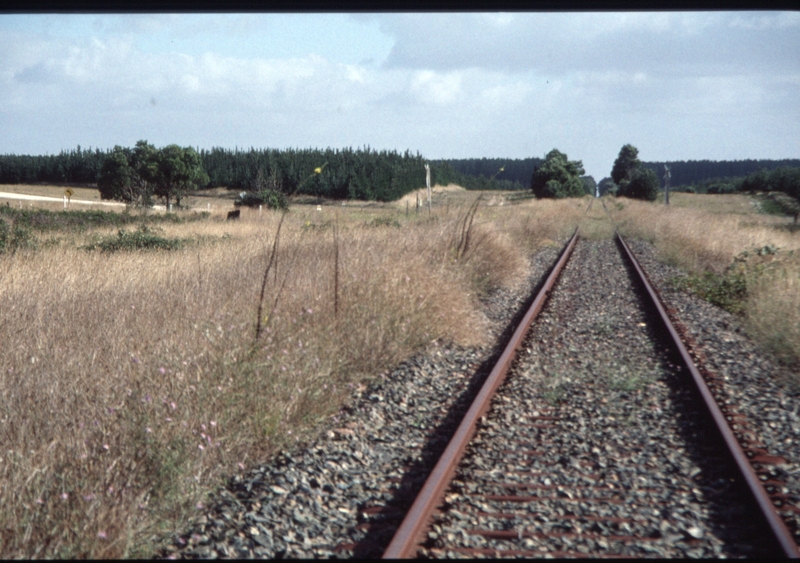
233,215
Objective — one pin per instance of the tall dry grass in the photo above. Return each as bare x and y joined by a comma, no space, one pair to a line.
132,382
708,238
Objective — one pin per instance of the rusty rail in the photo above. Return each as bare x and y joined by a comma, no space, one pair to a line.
773,519
408,535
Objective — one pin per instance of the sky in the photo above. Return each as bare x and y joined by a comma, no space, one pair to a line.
677,85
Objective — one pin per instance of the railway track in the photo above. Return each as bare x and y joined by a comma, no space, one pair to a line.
623,454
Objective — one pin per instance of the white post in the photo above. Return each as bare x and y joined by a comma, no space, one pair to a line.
65,203
259,209
428,183
170,208
208,207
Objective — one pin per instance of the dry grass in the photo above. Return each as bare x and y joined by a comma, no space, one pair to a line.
132,383
702,238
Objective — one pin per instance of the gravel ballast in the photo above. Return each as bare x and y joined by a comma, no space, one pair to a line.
345,493
595,445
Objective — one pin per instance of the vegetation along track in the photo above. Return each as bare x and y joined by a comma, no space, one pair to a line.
596,444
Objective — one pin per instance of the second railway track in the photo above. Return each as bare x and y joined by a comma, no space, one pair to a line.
594,446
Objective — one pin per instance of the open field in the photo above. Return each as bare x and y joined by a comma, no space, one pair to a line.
132,382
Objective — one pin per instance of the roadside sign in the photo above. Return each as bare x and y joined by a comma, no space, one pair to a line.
68,192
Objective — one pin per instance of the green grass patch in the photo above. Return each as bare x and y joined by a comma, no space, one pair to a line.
728,290
45,220
384,222
777,203
141,239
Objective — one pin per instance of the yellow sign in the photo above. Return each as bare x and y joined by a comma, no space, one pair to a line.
68,192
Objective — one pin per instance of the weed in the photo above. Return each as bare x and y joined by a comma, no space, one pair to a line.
272,262
728,291
14,237
384,222
464,232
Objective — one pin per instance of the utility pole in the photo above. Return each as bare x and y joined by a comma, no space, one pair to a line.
666,184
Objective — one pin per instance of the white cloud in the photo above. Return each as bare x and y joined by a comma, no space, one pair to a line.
437,88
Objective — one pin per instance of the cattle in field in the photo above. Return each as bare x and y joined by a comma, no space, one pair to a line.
233,215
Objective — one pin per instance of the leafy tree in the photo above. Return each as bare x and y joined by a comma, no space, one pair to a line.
633,179
626,162
589,185
643,184
607,186
558,177
130,175
177,171
136,175
116,177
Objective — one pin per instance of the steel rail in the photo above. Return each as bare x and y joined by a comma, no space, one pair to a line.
773,519
407,538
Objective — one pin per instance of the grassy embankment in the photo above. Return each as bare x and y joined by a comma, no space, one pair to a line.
132,381
736,256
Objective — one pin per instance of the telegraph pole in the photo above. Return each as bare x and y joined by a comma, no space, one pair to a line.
666,184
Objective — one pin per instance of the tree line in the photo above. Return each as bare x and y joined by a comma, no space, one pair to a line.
488,173
76,167
141,173
700,174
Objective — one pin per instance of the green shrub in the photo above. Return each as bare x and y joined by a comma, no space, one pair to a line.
141,239
14,237
642,185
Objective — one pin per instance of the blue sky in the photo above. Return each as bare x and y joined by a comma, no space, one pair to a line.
679,86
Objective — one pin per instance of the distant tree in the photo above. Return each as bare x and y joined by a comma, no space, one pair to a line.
634,180
785,179
589,185
626,162
116,177
136,175
178,171
607,186
558,177
643,184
